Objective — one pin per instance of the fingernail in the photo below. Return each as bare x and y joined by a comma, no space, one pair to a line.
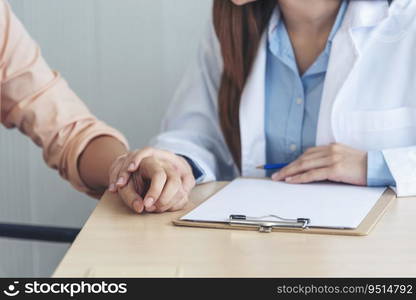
120,181
149,202
151,209
137,206
131,167
112,188
288,179
275,176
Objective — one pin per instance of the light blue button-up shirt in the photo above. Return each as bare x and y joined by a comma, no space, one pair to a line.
293,101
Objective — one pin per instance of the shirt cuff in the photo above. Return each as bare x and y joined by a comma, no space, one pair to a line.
197,171
378,172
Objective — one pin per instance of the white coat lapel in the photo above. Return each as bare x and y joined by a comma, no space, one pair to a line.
252,129
343,57
344,54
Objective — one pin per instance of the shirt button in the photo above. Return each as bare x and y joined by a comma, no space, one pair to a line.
293,147
299,101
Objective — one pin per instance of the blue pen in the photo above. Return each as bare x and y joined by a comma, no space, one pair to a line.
272,166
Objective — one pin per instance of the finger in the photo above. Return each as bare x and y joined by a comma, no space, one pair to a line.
315,155
172,186
140,185
178,198
317,149
137,158
180,204
188,182
124,175
310,176
182,162
302,165
158,179
306,165
138,206
114,175
280,175
188,179
151,209
131,198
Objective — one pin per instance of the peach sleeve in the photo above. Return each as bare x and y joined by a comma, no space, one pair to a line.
39,102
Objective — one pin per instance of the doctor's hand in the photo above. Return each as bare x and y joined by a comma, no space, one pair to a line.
152,180
335,162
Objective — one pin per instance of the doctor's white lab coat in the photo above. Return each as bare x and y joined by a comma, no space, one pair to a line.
368,103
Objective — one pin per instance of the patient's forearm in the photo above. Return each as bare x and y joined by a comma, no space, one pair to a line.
96,160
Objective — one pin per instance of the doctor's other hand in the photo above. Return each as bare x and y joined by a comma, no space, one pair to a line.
160,181
335,162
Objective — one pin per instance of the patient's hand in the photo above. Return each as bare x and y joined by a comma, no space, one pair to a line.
152,180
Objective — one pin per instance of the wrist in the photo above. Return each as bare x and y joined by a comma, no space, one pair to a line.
196,171
95,162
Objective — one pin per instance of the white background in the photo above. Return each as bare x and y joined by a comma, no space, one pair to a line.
124,58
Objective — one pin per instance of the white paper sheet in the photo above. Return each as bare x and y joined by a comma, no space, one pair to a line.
328,205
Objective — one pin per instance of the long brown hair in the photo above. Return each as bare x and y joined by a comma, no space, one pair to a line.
239,30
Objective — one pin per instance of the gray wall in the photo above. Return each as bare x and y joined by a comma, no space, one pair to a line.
124,58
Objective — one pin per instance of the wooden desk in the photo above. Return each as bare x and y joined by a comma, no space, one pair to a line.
118,243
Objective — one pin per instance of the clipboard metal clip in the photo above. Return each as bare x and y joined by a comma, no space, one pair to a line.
266,225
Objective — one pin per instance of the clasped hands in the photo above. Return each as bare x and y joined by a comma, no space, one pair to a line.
155,181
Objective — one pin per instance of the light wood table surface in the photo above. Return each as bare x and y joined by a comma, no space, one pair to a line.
117,243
